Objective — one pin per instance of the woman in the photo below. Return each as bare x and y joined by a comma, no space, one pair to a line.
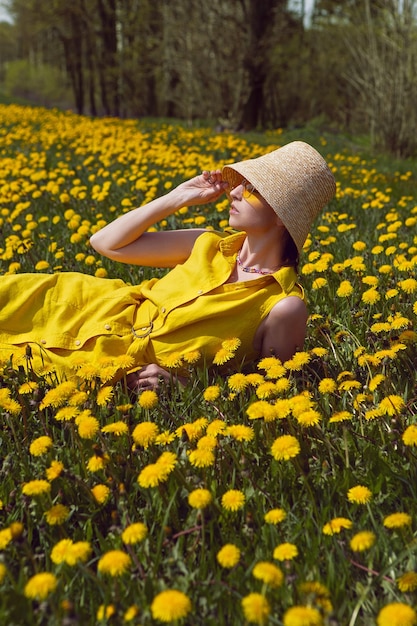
221,286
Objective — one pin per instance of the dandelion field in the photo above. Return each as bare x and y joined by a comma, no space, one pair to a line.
282,495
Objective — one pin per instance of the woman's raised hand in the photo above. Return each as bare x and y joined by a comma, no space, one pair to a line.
205,187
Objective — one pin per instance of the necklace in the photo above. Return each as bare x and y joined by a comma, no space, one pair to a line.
250,270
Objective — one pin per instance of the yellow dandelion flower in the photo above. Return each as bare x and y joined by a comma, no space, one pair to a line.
345,289
134,533
269,573
97,462
60,550
216,428
164,438
211,393
298,361
173,360
359,494
302,616
158,472
57,514
231,344
59,395
104,396
407,582
201,457
397,614
348,385
409,436
309,418
116,428
114,563
170,605
3,572
397,520
371,296
145,433
262,409
40,586
42,266
207,442
54,470
376,381
39,446
233,500
409,285
78,552
105,611
268,389
148,399
275,516
340,416
285,447
255,379
88,426
193,430
28,387
7,403
200,498
336,525
327,385
67,413
192,357
391,405
256,608
131,613
36,487
222,356
228,556
240,432
237,382
362,541
285,552
101,493
5,538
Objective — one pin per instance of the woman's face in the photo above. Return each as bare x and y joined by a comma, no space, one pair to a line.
249,211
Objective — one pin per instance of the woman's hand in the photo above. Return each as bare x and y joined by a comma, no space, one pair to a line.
203,188
150,376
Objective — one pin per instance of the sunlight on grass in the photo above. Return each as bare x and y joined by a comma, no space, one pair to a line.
284,495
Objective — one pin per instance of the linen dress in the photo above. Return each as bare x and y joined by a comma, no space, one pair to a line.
76,325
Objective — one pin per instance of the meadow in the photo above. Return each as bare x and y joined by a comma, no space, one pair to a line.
282,495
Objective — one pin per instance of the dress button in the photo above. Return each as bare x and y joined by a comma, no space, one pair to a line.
107,326
163,309
78,342
200,291
43,341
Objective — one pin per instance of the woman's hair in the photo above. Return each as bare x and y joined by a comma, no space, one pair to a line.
290,254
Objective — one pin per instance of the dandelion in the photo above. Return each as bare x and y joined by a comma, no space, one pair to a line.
362,541
145,433
116,428
134,533
240,432
409,436
54,470
104,395
407,582
256,608
101,493
397,520
57,514
105,611
36,487
302,616
39,446
40,586
370,296
340,416
97,463
3,572
285,552
298,361
158,472
211,393
409,285
202,457
67,413
233,500
285,447
262,409
114,563
237,382
336,525
327,385
309,418
170,605
222,356
192,357
5,538
269,573
359,494
59,395
148,399
397,614
228,556
78,552
88,426
7,403
199,498
275,516
345,289
216,428
392,405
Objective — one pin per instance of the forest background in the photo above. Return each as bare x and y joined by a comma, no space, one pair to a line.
344,65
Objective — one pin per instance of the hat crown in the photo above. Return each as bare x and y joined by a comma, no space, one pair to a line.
295,180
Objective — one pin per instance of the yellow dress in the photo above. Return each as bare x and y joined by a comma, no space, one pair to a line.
74,322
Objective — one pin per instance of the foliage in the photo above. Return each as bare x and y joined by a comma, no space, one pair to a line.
282,495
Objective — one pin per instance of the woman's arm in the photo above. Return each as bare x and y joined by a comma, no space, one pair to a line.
283,331
126,239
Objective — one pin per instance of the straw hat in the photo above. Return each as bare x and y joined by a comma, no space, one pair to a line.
295,180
